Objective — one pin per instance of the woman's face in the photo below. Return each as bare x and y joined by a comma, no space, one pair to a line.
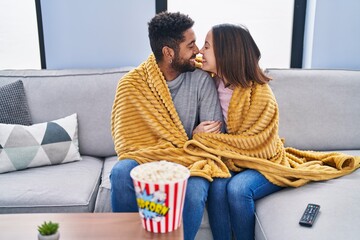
209,63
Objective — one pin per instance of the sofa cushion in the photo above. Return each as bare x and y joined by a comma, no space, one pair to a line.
278,215
103,199
14,108
204,232
70,187
48,143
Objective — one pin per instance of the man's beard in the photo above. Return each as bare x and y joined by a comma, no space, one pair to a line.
182,66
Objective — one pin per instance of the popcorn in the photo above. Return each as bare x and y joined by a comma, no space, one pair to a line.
198,61
160,189
159,172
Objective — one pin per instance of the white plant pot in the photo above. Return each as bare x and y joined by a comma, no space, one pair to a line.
55,236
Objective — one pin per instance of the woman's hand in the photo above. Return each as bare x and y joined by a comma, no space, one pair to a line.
208,127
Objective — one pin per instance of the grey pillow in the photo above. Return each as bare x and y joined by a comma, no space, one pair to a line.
14,108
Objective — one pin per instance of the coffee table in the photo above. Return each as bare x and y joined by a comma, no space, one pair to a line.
78,226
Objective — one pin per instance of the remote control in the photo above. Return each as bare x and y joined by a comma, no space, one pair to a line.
309,215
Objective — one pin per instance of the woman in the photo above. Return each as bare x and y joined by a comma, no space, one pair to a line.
252,141
232,44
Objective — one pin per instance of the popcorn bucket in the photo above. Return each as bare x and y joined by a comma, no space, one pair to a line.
160,189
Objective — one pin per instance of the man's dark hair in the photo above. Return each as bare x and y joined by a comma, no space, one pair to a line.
166,29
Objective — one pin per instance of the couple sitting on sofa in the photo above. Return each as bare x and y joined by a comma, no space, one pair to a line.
167,109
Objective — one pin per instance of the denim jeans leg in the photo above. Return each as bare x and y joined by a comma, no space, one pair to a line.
218,209
194,205
243,190
123,197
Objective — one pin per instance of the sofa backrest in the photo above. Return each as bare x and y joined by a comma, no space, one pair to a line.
53,94
319,109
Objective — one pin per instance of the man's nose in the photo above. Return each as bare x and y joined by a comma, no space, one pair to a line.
196,50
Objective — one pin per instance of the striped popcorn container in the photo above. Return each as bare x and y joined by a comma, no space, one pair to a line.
160,189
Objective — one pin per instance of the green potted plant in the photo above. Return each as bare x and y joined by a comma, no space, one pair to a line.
48,231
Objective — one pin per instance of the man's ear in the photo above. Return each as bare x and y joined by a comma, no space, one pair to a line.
168,53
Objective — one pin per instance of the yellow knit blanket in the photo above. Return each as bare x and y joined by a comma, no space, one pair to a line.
253,142
146,127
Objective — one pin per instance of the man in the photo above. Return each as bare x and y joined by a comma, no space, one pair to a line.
158,107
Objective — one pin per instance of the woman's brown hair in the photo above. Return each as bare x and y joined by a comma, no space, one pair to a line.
237,56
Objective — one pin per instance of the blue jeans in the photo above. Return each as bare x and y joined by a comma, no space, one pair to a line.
198,192
243,190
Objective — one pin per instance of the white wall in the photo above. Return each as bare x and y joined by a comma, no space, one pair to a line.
96,34
269,22
332,34
19,45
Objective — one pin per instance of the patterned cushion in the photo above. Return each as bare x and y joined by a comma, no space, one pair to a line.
40,144
13,104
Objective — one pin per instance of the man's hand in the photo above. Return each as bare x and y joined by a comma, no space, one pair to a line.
209,127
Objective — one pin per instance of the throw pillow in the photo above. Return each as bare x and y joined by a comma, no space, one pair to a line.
40,144
14,108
